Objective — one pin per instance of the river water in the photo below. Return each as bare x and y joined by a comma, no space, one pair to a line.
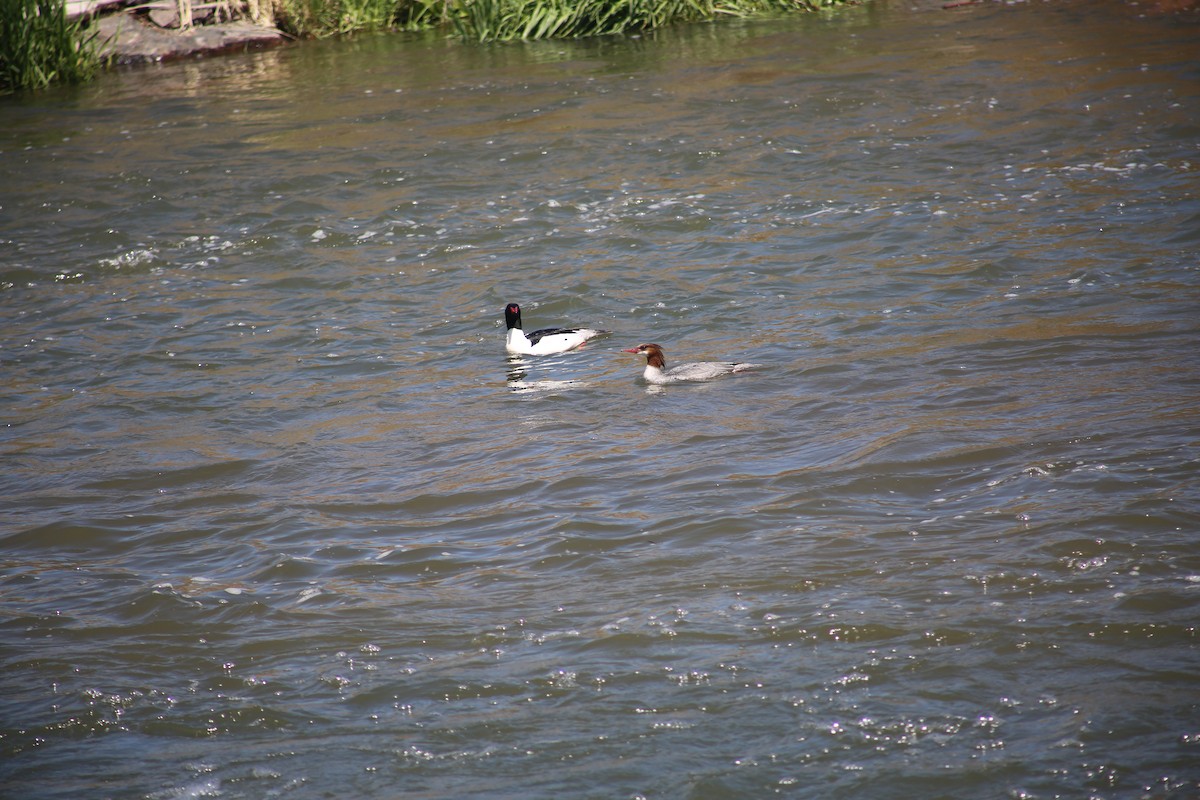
280,519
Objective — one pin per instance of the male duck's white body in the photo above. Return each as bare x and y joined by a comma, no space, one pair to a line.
658,374
544,342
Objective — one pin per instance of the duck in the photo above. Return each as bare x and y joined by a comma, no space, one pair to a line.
546,341
658,374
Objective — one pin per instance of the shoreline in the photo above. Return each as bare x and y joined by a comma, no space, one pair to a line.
130,36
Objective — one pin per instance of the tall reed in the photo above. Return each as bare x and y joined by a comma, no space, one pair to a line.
40,46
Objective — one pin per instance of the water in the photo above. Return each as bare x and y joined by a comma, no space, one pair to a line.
279,518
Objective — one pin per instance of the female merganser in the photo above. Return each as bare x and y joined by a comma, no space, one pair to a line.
545,341
658,374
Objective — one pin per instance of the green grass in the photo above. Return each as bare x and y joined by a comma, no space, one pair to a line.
504,20
486,20
40,46
321,18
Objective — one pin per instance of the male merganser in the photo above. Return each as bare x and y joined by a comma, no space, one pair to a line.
545,341
658,374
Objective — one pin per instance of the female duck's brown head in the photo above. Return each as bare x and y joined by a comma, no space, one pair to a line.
652,352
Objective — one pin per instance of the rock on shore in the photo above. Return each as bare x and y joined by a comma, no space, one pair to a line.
129,37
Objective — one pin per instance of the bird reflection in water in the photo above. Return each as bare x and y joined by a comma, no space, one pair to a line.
517,379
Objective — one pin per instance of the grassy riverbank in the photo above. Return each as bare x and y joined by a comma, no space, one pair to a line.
483,20
39,45
502,20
